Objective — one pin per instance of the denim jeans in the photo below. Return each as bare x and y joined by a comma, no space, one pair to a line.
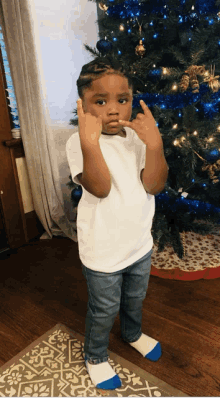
109,293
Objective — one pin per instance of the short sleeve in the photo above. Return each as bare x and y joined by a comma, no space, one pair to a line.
140,150
142,158
74,156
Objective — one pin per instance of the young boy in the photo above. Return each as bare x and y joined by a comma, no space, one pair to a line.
121,166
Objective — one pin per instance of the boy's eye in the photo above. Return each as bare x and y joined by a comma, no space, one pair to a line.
122,99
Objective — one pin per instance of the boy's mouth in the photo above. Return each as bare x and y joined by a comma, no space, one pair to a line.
113,124
113,120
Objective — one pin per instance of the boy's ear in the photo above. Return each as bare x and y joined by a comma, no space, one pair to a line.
83,103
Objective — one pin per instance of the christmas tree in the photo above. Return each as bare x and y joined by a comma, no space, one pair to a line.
172,50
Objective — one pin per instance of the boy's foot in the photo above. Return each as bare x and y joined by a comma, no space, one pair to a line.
148,347
103,376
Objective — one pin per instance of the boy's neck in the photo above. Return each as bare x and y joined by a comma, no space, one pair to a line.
122,133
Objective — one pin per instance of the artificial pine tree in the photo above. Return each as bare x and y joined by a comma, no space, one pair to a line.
172,48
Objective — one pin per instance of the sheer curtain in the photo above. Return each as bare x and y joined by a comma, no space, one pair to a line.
19,24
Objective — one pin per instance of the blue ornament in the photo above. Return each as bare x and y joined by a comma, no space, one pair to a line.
104,46
155,74
206,6
76,195
213,155
210,109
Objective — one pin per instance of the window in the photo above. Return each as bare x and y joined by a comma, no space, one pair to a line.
10,94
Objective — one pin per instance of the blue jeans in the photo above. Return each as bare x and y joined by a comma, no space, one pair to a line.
109,293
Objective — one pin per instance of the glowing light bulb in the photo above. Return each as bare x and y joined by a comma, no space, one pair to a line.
211,139
183,138
154,66
176,142
121,27
195,133
174,87
218,128
193,8
175,126
164,71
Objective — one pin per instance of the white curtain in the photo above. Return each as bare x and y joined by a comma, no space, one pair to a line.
19,24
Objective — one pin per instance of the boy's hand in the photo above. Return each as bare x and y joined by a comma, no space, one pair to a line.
90,127
145,127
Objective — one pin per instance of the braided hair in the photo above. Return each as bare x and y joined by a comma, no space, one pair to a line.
97,68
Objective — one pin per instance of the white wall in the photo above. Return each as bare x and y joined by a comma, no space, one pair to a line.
64,26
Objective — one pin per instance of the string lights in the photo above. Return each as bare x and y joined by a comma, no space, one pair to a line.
200,88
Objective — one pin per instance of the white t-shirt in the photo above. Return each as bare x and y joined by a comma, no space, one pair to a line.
114,232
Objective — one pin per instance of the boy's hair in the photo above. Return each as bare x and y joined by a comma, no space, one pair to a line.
97,68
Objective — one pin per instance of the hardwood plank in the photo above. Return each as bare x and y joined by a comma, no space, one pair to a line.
192,301
187,321
181,359
183,288
47,287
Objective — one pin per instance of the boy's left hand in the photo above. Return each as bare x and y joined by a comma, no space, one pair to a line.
145,127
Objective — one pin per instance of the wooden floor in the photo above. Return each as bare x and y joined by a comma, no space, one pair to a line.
42,285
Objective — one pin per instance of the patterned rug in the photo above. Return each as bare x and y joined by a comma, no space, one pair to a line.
201,260
53,366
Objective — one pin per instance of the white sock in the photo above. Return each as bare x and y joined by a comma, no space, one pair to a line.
103,376
148,347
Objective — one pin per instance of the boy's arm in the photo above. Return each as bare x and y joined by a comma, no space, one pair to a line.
95,177
155,173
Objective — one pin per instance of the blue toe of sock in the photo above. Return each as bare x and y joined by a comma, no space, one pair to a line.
155,354
110,384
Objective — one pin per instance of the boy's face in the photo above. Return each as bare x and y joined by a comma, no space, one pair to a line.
110,97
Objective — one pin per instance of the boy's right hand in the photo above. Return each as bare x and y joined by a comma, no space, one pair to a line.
90,127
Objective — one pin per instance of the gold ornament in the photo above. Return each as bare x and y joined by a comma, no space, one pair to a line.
190,78
103,7
139,49
184,83
211,168
214,85
194,84
212,80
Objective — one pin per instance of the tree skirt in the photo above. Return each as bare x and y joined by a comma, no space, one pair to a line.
201,260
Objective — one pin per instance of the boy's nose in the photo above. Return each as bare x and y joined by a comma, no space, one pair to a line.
112,107
113,111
